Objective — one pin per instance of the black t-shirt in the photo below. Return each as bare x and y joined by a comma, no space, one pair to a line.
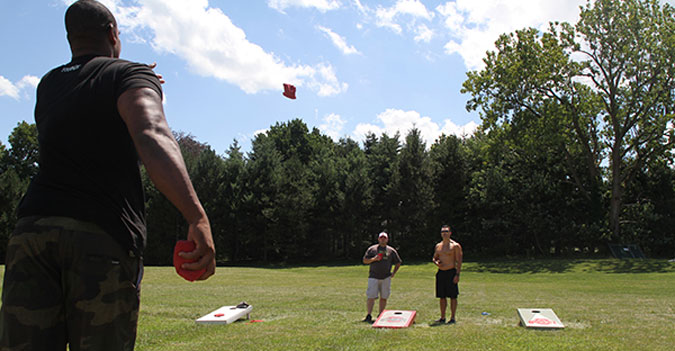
88,165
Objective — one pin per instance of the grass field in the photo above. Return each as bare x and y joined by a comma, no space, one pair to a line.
605,305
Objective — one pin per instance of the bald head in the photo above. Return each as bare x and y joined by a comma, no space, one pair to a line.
89,25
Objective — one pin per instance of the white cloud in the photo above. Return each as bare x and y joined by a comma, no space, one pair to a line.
394,120
28,81
474,26
213,46
332,126
7,88
338,41
260,131
321,5
414,8
450,128
329,84
423,33
389,17
362,9
14,90
246,138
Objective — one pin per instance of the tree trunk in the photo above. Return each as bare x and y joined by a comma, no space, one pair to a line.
617,192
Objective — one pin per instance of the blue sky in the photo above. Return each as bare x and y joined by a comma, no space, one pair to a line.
358,65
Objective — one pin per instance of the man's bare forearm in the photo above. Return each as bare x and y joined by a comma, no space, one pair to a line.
141,109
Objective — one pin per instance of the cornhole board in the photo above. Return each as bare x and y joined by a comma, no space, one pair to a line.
395,319
539,318
622,251
225,315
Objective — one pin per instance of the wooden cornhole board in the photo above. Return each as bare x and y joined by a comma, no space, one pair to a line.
226,315
539,318
395,319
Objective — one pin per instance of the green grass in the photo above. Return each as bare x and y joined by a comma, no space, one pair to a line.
605,305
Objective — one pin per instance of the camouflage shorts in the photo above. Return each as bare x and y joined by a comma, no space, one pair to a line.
68,282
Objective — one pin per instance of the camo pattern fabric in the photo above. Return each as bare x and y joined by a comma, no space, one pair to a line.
67,282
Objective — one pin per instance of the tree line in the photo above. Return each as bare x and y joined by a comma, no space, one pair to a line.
575,151
298,196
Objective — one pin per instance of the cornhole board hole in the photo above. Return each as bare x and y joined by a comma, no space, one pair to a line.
539,318
395,319
226,315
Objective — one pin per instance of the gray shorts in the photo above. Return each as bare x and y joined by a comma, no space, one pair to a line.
381,287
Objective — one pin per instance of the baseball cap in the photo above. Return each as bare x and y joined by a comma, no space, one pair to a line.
383,234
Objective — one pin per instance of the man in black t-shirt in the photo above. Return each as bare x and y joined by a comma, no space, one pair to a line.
74,261
381,257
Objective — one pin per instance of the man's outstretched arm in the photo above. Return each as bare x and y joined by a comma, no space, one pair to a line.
142,111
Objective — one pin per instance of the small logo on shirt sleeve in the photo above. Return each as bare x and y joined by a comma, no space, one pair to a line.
71,68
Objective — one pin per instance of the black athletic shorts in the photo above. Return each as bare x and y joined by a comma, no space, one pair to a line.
445,287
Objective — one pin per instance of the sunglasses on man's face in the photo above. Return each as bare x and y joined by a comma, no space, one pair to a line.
445,231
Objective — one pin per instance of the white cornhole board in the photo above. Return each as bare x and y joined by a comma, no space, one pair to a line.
539,318
225,315
395,319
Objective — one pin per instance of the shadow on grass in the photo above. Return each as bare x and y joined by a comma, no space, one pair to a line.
287,265
634,266
522,266
507,266
562,266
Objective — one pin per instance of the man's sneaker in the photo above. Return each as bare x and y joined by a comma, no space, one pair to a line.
368,319
452,321
439,321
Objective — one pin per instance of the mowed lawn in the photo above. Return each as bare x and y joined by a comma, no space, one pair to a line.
604,304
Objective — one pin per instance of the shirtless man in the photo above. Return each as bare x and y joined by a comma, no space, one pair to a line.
448,258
